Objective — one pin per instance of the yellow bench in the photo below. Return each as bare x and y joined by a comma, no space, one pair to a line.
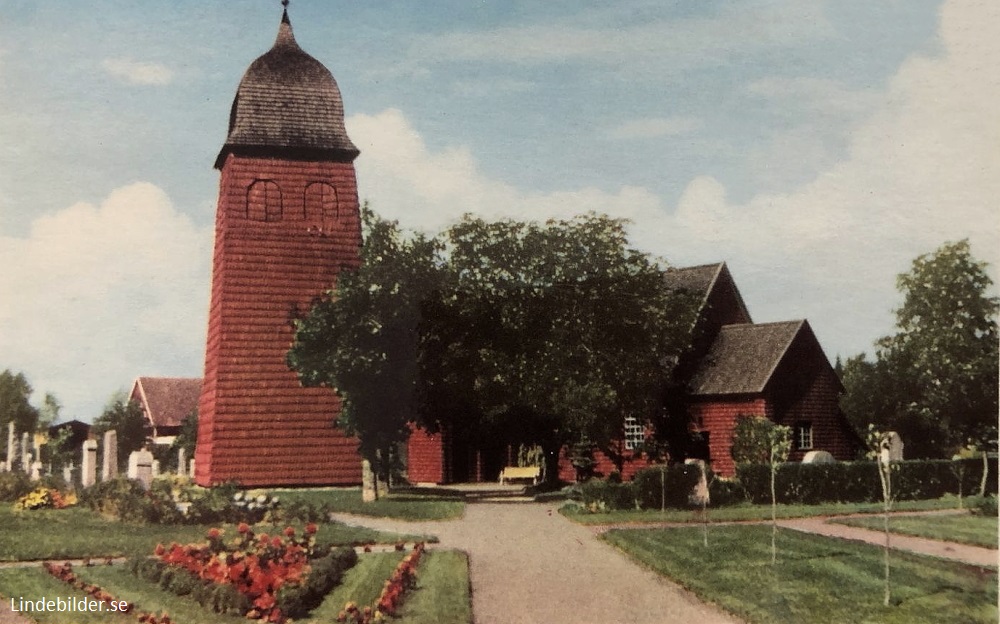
534,473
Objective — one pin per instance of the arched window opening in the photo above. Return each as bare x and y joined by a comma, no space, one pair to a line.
322,210
264,201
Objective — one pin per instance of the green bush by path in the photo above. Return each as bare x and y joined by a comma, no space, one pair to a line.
816,579
964,529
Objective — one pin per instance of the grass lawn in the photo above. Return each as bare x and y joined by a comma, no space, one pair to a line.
402,506
78,532
442,595
964,528
816,579
747,511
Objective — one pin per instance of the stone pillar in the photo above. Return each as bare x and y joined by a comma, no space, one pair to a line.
109,468
156,468
191,468
367,481
140,467
36,470
25,453
88,464
182,462
68,474
11,447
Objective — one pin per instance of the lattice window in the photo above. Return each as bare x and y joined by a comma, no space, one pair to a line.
635,433
322,209
804,435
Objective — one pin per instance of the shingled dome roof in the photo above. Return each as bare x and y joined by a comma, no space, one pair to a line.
288,105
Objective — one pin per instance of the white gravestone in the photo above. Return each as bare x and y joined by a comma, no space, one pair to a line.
11,447
156,468
68,474
181,462
892,448
25,452
818,457
88,464
367,482
36,470
109,467
140,467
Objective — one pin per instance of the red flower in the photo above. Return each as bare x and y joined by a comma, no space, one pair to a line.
214,533
311,528
243,528
289,532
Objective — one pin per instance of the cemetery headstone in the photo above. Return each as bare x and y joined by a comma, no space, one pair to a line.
182,462
109,468
25,452
367,482
88,464
11,447
36,470
140,467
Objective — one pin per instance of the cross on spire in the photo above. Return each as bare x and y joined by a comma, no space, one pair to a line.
284,3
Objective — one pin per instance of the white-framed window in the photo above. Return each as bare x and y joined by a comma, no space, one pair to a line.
804,435
635,433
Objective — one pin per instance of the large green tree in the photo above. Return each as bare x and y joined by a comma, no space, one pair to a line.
125,417
362,338
15,392
555,331
934,381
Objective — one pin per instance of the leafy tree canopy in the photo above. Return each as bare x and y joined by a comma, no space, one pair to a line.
125,417
935,380
14,406
542,332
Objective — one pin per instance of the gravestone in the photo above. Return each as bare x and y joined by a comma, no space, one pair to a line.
699,494
25,452
191,468
818,457
156,468
892,448
367,482
88,464
140,467
67,472
182,462
36,470
11,447
109,468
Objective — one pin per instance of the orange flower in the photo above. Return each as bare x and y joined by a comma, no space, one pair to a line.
243,528
311,528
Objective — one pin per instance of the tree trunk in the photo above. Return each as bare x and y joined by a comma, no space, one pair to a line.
774,511
986,472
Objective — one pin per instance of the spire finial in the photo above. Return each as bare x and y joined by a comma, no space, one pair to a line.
284,3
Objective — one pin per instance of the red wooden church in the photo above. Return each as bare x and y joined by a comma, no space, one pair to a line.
733,367
288,221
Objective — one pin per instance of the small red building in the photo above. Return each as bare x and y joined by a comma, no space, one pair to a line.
733,367
165,402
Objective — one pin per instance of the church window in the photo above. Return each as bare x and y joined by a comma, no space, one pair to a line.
264,201
635,433
321,206
804,435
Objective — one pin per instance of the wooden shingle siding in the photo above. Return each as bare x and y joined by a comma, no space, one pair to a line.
257,424
425,457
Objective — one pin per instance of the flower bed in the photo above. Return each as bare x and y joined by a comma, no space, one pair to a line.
273,577
403,579
45,498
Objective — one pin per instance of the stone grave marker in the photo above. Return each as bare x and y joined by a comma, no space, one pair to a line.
182,462
88,464
367,482
11,447
109,467
25,452
140,467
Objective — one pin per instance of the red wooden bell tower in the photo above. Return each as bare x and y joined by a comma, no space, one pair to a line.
287,222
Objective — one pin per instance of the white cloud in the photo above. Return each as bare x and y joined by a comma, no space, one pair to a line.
137,72
923,168
653,127
97,295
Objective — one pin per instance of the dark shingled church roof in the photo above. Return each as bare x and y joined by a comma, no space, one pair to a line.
288,105
695,279
743,358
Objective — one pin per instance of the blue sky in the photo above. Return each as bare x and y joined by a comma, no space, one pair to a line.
817,146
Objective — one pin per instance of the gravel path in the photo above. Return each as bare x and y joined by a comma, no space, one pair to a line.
528,564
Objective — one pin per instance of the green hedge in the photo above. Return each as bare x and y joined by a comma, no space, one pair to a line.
670,487
857,482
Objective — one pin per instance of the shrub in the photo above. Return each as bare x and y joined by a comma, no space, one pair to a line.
599,495
723,492
126,500
298,600
675,482
14,485
985,506
858,482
